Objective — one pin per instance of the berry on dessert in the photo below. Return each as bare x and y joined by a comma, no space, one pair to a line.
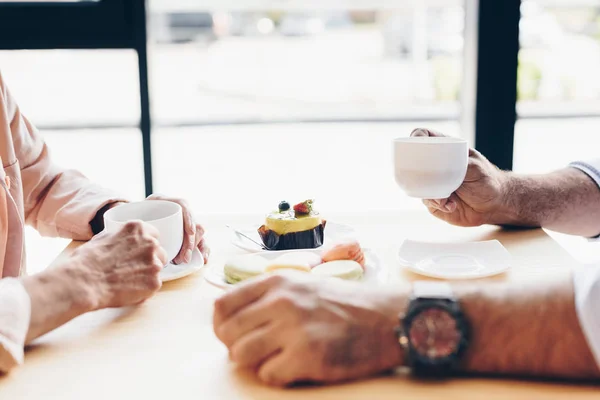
303,208
284,206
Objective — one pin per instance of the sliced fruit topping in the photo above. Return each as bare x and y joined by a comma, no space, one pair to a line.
303,208
284,206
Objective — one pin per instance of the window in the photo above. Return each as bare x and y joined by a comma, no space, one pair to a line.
318,94
83,100
558,85
86,99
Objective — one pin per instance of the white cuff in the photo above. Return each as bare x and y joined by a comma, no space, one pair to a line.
591,169
15,315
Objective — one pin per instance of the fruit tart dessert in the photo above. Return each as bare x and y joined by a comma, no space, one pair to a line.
291,228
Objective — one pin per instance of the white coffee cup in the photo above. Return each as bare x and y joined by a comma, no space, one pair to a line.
165,216
430,167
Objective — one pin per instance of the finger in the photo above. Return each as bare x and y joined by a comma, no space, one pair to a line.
244,294
204,249
189,238
198,239
438,214
248,319
161,255
151,230
153,283
426,132
279,370
187,248
443,205
432,204
188,245
451,204
200,231
256,347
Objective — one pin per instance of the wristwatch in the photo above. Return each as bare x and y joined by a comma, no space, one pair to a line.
433,332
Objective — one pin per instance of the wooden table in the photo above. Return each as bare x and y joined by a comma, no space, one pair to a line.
166,349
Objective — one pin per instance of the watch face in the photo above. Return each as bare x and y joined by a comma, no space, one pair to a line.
434,333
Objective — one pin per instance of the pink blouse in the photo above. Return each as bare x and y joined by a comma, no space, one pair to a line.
35,191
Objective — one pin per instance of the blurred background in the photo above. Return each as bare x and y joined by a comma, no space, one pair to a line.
258,101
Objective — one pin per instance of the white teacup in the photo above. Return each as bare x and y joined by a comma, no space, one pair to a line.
430,167
165,216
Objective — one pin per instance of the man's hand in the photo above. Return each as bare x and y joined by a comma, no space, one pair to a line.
480,200
194,232
119,269
112,270
295,327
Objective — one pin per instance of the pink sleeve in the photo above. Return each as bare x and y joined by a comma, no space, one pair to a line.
15,313
57,202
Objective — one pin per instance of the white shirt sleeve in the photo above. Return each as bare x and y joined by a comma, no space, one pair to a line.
15,313
592,169
587,302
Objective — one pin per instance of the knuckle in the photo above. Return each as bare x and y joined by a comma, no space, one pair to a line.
132,241
151,241
133,226
276,280
155,269
269,377
149,258
244,354
219,306
284,302
183,203
475,164
419,132
155,284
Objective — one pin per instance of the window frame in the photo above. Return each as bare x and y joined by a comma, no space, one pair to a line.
105,24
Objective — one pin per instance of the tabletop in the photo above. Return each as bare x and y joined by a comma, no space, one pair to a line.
166,348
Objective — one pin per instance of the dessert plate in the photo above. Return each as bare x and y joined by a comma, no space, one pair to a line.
333,233
455,260
374,273
172,272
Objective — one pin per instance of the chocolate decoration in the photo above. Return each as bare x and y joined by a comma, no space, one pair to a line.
310,239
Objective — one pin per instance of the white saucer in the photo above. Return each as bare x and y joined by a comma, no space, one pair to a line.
455,260
375,273
333,233
172,272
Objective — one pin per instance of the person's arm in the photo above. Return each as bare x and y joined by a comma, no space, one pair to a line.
113,270
57,296
526,330
57,202
35,305
566,201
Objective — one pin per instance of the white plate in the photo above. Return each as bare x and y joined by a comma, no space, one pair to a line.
455,260
375,273
333,233
172,272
